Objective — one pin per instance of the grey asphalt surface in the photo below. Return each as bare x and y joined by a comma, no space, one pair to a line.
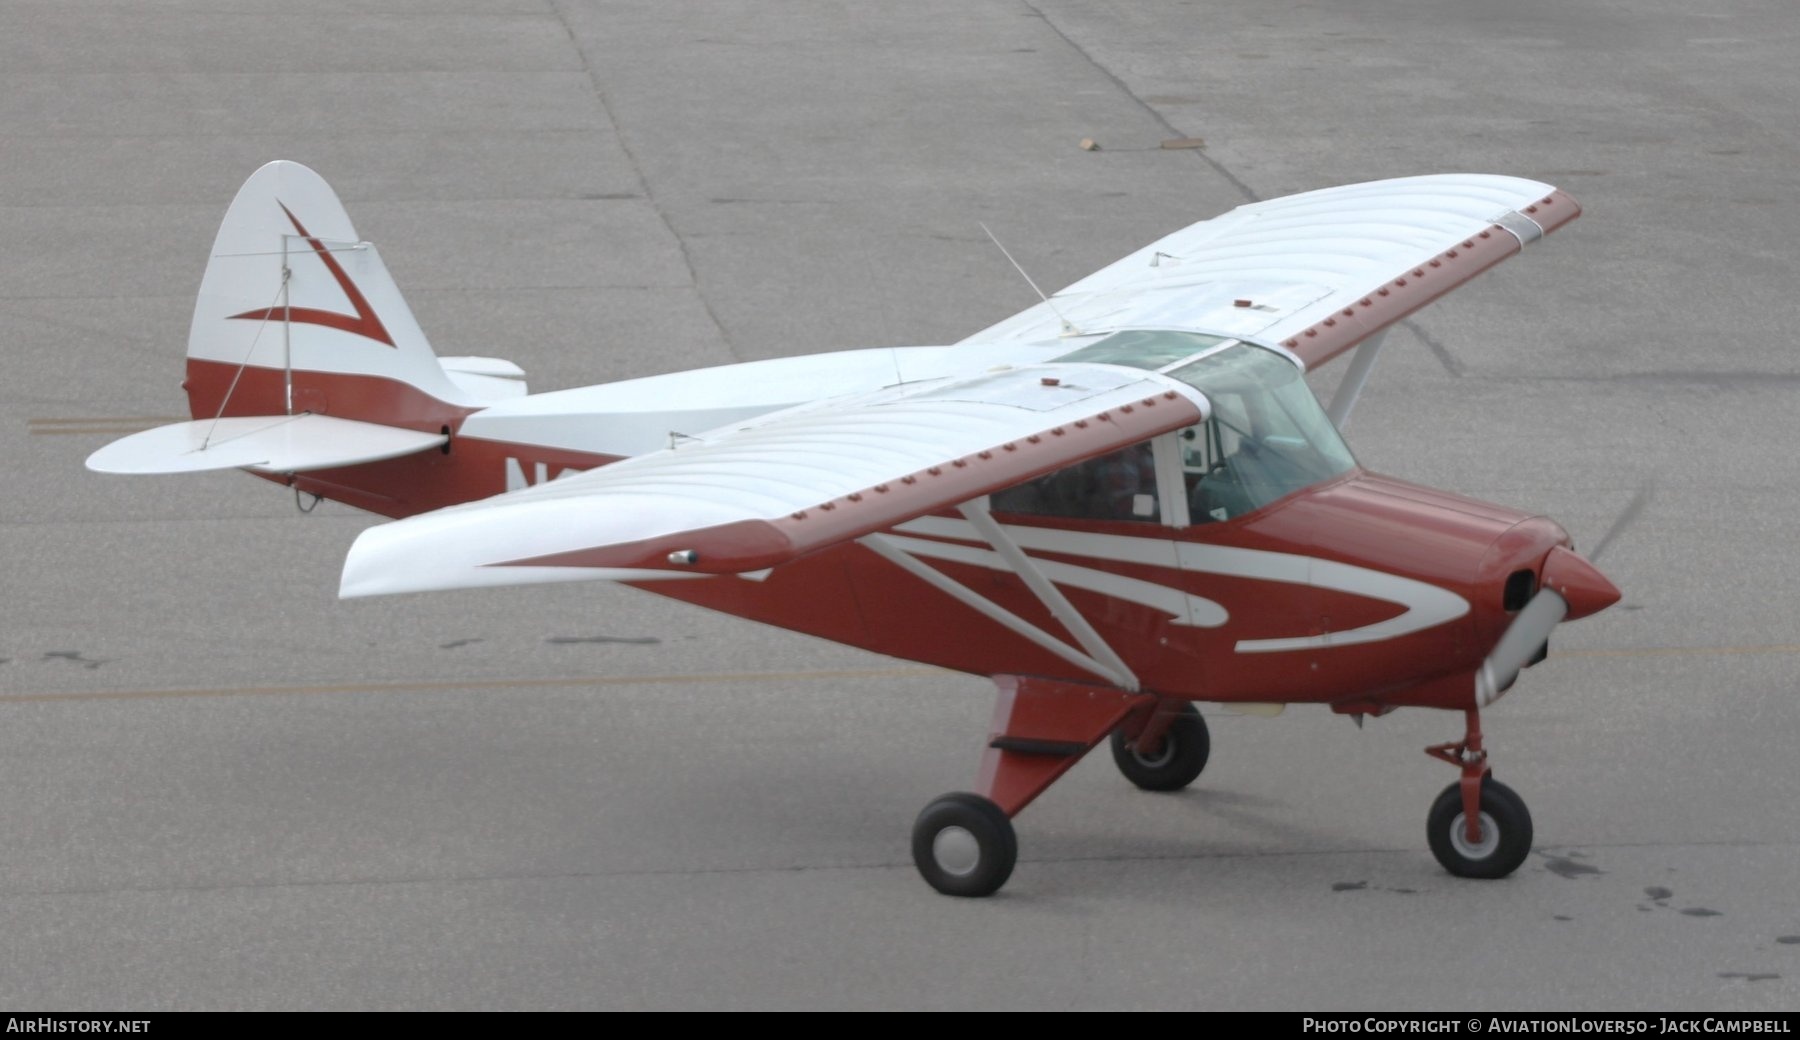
222,788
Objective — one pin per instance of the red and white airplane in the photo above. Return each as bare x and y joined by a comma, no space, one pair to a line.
1116,503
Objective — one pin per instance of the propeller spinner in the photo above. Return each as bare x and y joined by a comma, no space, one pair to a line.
1571,587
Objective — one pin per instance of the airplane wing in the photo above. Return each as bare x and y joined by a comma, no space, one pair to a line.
1316,273
750,496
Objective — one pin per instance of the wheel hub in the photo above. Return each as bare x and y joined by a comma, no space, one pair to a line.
956,851
1459,838
1162,756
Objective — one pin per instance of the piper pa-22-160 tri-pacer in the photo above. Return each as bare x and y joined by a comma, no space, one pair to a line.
1119,502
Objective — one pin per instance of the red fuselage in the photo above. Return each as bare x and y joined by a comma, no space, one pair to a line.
1363,592
1375,527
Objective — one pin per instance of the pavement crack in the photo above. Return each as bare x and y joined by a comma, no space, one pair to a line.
1451,365
637,170
1249,193
90,663
1456,368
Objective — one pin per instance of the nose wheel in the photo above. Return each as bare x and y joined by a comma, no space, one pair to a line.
1505,832
1478,827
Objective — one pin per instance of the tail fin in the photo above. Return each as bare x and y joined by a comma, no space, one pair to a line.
305,365
297,314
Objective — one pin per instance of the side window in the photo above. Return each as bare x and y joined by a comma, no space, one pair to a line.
1218,463
1119,486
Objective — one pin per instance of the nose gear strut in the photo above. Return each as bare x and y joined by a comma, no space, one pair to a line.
1478,827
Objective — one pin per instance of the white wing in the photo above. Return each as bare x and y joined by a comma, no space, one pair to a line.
756,495
1316,272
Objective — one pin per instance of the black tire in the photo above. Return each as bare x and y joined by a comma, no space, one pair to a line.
964,845
1505,825
1176,764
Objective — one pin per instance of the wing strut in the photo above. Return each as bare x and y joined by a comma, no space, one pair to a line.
1099,657
1351,387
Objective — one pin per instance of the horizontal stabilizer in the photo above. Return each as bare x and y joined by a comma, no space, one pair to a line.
485,378
277,443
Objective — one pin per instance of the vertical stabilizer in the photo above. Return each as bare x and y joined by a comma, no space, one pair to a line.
297,314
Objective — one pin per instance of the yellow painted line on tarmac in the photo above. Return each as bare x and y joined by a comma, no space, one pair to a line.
474,684
107,420
69,431
1683,651
97,424
705,678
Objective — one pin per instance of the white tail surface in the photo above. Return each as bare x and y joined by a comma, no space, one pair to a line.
336,311
273,443
303,355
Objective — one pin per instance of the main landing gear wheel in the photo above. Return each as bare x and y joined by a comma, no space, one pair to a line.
1505,832
964,845
1174,765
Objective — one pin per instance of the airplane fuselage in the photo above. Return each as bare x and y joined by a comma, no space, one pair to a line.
1363,591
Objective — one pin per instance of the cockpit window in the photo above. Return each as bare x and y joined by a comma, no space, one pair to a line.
1144,348
1267,437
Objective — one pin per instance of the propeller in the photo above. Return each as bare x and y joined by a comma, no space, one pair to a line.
1571,587
1627,517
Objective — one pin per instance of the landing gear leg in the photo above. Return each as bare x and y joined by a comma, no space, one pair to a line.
1168,752
963,843
1478,827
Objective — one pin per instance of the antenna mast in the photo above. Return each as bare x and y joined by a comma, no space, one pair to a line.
1067,328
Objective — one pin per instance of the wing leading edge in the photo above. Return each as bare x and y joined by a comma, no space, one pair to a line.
753,496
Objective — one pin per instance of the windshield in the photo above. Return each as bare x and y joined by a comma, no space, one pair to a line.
1267,437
